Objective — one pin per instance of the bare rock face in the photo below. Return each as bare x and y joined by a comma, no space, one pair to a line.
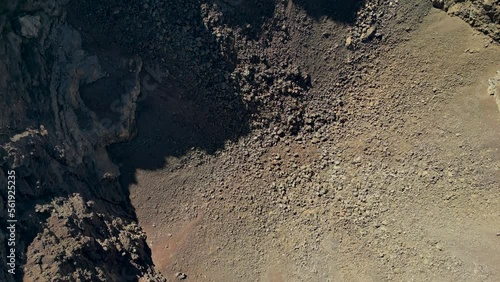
484,15
74,220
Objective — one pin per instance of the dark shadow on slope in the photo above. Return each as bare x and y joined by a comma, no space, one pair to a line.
187,98
249,15
344,11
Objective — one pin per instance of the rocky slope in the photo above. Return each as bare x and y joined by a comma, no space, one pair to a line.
245,119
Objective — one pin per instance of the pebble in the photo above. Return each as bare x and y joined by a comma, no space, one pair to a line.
180,275
348,41
439,247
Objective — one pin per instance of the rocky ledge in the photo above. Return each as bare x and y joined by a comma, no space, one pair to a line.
74,222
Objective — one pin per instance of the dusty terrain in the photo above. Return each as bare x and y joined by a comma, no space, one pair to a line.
253,140
405,190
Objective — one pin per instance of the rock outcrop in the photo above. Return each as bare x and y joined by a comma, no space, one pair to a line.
74,221
484,15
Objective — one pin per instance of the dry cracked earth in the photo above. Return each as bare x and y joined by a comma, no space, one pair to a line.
250,140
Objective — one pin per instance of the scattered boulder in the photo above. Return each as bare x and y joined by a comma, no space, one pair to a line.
438,3
370,32
30,26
